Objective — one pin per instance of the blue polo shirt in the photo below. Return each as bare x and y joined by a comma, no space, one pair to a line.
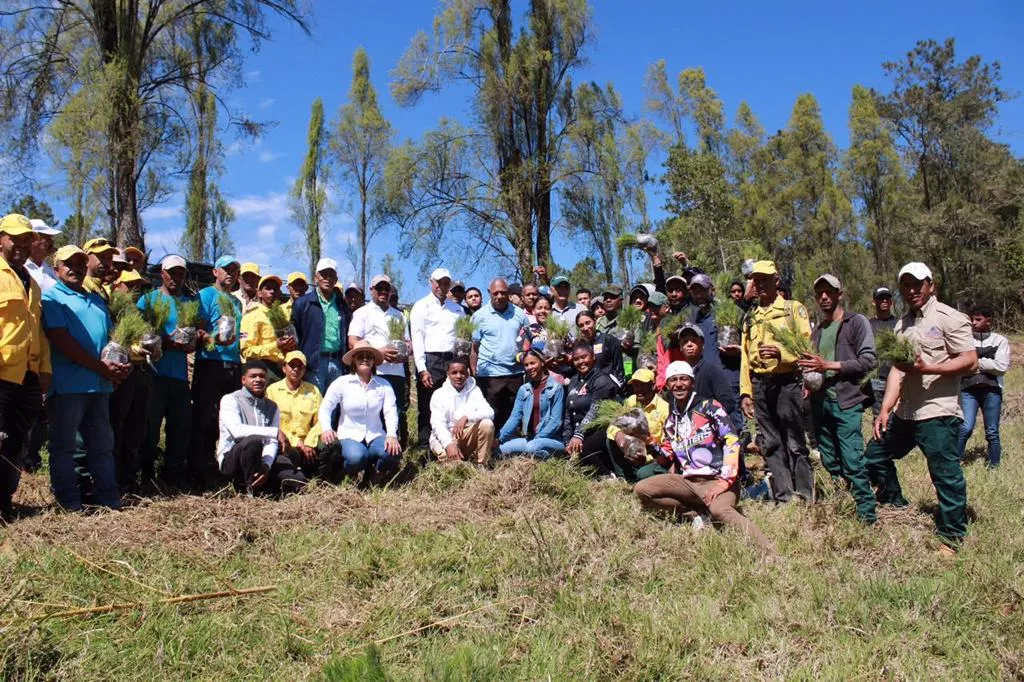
496,334
173,363
209,309
87,320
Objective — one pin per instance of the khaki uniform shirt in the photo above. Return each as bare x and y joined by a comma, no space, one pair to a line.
759,329
938,332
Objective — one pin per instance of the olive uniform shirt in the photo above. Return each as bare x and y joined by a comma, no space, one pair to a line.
937,332
759,329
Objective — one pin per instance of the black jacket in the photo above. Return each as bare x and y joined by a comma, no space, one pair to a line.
581,401
712,383
855,351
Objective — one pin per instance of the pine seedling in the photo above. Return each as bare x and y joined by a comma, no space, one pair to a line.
120,303
607,411
893,349
670,325
556,328
630,318
792,340
277,316
188,314
627,241
464,328
648,343
226,304
728,314
396,329
129,328
157,312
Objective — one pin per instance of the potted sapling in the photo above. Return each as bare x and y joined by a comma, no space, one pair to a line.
894,350
640,240
627,323
727,317
631,421
396,338
280,321
557,331
793,341
156,314
224,333
124,337
188,323
464,328
647,358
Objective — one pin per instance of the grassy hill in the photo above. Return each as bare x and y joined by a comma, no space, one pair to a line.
525,572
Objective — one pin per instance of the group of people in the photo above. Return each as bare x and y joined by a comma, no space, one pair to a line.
271,389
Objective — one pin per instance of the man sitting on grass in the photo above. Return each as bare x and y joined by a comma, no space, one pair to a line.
461,420
252,447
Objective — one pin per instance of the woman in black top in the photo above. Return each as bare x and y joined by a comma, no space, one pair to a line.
586,389
607,349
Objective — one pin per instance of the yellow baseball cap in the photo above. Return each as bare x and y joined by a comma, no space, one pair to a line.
297,277
764,267
128,277
66,252
269,278
643,375
295,355
15,225
249,267
97,246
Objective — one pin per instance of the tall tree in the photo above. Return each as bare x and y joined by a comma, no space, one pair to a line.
506,167
31,207
360,144
309,194
139,57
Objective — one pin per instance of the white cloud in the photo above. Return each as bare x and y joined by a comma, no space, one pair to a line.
254,76
268,156
162,212
267,102
270,207
233,148
266,232
161,242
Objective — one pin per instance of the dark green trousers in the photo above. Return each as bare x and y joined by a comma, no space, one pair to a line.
938,439
842,451
650,469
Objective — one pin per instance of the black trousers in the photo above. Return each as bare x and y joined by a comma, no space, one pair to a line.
500,392
779,412
401,389
129,412
245,459
596,454
211,381
20,407
437,367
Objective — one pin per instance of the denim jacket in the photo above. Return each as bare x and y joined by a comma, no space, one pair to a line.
552,399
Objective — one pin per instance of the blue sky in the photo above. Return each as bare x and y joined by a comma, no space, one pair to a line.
763,53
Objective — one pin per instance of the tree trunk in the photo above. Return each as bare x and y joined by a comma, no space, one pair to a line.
363,237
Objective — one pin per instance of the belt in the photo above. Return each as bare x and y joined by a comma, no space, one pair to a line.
781,378
447,355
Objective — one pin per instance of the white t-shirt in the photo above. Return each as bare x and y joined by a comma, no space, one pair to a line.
370,323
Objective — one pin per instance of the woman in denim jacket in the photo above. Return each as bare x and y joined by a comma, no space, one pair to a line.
535,424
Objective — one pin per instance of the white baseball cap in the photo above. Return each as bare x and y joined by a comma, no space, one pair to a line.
172,261
916,270
326,264
831,280
677,368
439,274
40,227
119,257
378,279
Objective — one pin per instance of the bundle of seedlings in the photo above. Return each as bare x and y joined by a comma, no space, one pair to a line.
793,341
224,333
631,421
126,335
464,329
121,302
280,321
396,338
894,350
156,313
669,328
627,323
640,240
647,358
188,323
728,317
556,331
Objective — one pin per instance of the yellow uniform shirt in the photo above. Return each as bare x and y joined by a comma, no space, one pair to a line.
656,412
759,330
23,346
287,308
298,409
938,332
257,340
94,285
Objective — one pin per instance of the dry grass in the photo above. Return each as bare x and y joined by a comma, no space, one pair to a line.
525,572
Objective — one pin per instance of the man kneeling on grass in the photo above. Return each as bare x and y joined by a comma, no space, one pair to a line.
252,451
702,453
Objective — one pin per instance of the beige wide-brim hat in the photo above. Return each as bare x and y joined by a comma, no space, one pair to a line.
361,346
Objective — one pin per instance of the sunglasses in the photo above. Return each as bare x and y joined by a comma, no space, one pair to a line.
381,288
364,357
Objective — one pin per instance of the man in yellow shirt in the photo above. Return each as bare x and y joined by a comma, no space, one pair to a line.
770,386
655,408
297,286
24,352
258,340
298,403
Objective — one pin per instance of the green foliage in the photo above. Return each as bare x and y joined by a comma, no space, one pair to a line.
557,328
648,343
791,338
396,328
157,312
627,241
308,199
464,327
278,317
121,302
129,328
670,324
188,314
362,667
727,314
226,304
629,318
894,349
607,411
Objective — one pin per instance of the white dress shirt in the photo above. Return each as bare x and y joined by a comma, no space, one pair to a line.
370,324
361,405
43,274
233,428
433,328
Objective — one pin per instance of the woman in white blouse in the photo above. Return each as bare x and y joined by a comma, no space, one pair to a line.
363,442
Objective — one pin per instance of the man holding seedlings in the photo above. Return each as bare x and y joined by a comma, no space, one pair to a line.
493,360
170,400
770,386
846,353
927,387
266,332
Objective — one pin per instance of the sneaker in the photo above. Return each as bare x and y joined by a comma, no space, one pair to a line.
762,490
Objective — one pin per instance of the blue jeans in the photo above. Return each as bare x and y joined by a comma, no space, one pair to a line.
327,371
359,456
991,403
541,448
88,413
